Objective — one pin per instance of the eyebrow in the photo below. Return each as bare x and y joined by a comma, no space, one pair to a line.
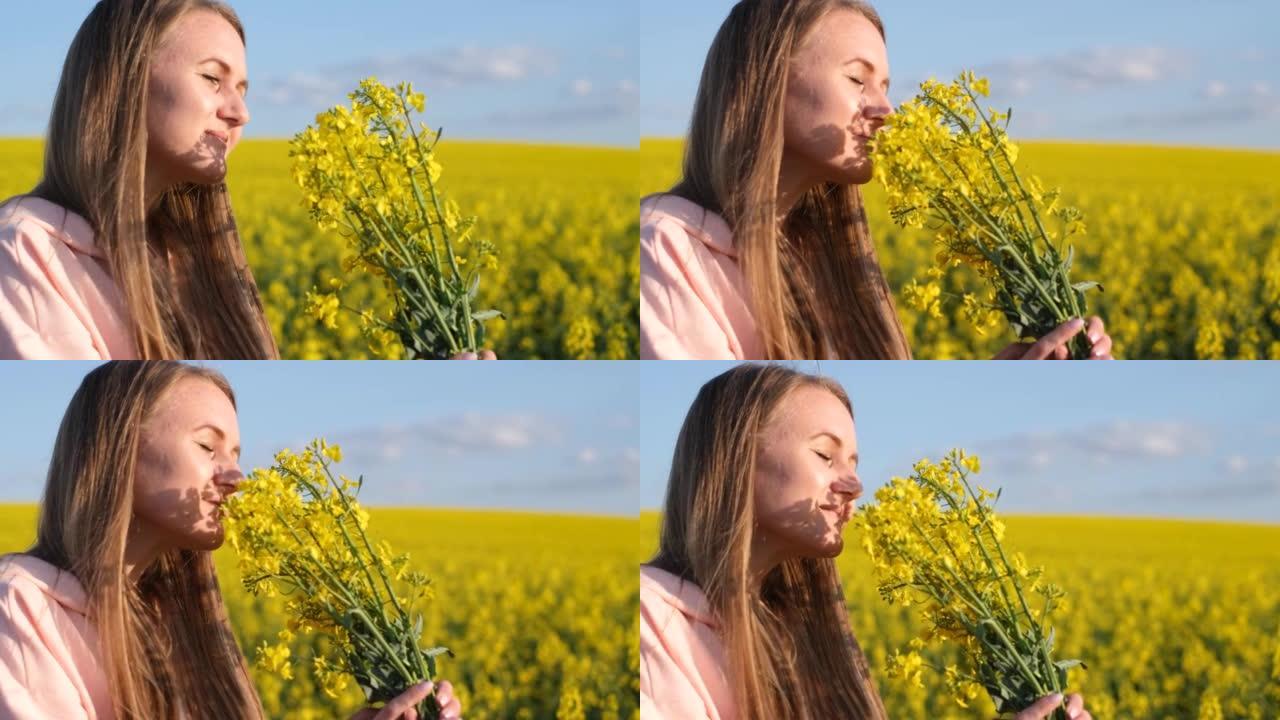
243,84
837,440
870,65
221,435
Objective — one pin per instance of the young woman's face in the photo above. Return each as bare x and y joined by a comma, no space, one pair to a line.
836,99
188,463
195,108
806,475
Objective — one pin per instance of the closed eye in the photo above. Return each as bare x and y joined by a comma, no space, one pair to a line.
856,80
217,82
826,458
206,448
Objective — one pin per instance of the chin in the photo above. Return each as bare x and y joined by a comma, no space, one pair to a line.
209,539
858,171
208,175
827,547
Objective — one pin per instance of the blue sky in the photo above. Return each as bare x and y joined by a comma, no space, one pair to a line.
555,70
529,435
1171,72
1165,439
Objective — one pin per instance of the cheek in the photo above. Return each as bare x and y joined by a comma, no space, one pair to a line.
175,115
167,487
784,486
819,122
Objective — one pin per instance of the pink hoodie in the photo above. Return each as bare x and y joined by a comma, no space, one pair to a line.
693,300
49,662
57,300
682,658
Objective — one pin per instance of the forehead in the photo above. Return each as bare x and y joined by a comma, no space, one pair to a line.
192,401
203,33
843,34
808,410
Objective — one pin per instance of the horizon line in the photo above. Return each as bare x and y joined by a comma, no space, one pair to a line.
448,141
1267,150
1143,518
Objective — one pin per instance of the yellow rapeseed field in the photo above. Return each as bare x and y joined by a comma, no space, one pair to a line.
541,611
564,220
1175,619
1186,243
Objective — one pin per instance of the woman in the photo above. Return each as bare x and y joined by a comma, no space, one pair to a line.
115,611
742,612
762,250
127,247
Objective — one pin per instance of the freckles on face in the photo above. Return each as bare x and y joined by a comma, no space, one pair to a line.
805,474
836,99
188,460
195,104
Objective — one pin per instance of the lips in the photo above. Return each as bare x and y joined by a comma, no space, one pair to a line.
842,512
224,138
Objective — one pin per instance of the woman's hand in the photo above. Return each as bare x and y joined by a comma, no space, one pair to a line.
403,707
1053,346
1044,707
484,355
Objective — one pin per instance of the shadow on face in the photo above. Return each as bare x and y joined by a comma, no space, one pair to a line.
836,99
196,108
188,462
805,475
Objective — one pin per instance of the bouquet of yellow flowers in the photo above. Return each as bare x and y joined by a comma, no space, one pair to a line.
371,173
948,165
936,545
299,532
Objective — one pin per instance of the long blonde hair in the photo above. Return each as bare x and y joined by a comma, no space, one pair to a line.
181,270
816,288
166,643
790,649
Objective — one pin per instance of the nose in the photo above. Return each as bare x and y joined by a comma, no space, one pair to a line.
234,110
229,478
877,106
849,486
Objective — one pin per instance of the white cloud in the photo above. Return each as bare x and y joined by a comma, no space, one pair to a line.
1021,86
1085,70
1236,464
1105,444
449,68
452,435
580,87
586,456
1229,111
1215,89
600,105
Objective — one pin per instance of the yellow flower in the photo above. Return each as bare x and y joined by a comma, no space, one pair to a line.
946,164
299,532
371,171
275,659
935,544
